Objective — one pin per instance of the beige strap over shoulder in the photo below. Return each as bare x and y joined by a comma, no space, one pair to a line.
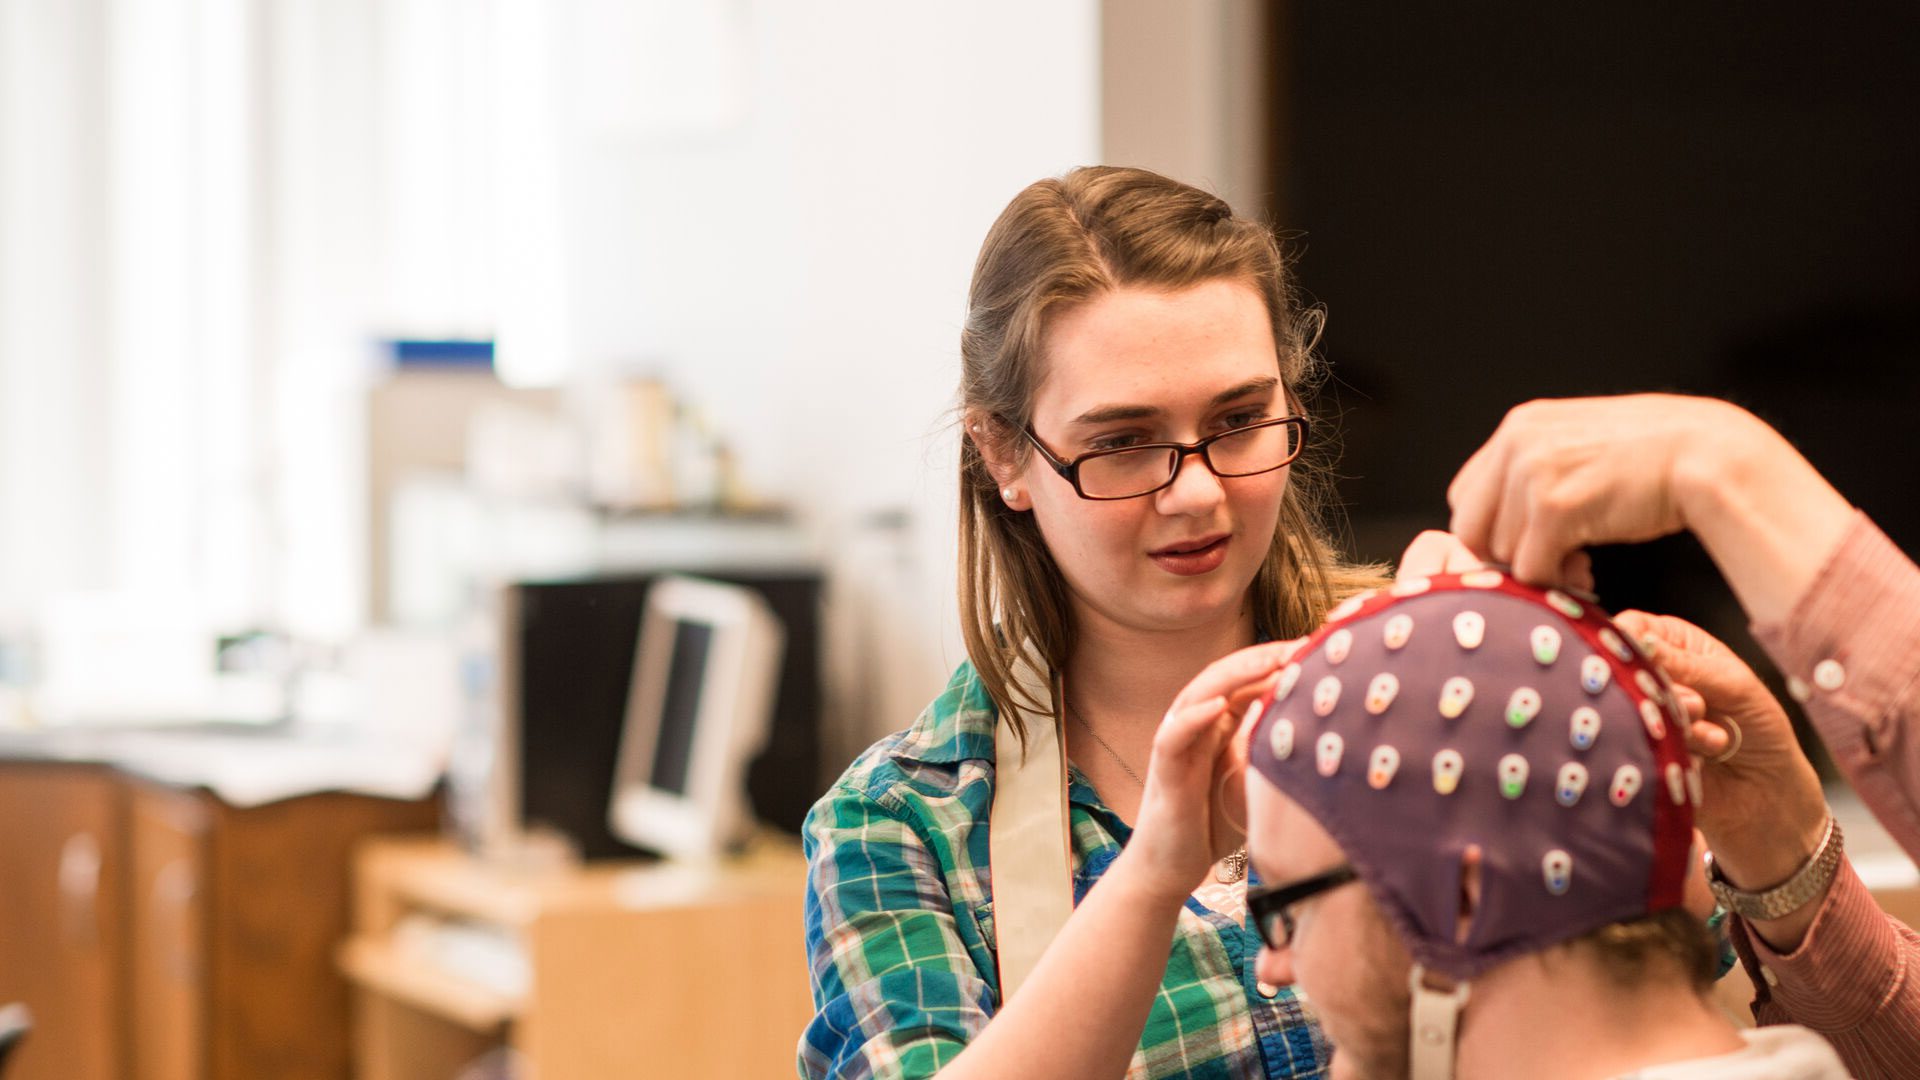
1030,857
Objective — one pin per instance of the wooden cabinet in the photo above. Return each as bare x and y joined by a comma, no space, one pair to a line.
167,939
160,934
630,969
62,907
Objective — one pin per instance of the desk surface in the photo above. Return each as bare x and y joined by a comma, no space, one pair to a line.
242,766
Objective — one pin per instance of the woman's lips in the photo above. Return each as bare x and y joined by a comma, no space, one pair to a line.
1197,561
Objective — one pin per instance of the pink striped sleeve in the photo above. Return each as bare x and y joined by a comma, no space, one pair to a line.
1855,979
1851,648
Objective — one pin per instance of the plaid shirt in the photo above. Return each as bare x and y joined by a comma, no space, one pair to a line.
899,921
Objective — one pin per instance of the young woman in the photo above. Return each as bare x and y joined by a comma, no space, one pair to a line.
1045,848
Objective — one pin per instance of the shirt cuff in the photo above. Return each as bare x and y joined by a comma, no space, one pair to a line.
1852,633
1850,962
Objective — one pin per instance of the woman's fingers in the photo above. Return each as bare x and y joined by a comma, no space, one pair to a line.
1435,552
1188,730
1236,672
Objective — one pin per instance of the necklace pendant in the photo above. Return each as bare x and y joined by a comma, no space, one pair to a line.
1232,868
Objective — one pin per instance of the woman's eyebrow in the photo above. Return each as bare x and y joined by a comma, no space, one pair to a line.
1107,414
1263,384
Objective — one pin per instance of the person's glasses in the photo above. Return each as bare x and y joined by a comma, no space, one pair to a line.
1269,904
1131,471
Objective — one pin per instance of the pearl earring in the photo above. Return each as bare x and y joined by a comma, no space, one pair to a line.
1006,494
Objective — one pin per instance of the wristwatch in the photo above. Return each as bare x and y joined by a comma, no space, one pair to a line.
1807,883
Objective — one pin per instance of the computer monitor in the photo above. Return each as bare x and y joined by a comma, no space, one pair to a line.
699,708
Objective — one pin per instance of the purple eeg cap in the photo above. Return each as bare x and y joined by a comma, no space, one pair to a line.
1473,709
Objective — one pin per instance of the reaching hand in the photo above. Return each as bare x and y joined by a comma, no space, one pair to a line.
1557,476
1763,811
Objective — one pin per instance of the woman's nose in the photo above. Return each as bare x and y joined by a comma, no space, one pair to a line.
1194,487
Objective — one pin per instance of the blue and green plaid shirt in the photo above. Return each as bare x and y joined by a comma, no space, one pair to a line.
899,921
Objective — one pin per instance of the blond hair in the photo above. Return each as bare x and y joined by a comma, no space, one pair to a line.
1063,242
1630,952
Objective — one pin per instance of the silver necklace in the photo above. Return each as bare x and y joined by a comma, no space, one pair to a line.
1111,752
1231,869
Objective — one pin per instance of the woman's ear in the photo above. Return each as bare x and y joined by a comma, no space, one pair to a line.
993,438
1469,893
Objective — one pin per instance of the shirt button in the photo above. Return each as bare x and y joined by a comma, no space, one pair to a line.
1767,974
1266,990
1798,690
1829,675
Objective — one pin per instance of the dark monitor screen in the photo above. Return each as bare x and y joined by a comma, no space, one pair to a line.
673,749
573,649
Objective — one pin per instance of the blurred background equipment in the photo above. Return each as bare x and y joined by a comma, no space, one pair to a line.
567,687
699,707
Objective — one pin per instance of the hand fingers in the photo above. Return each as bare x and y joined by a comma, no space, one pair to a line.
1230,770
1547,538
1638,623
1723,681
1425,557
1474,495
1707,739
1238,670
1509,516
1435,552
1691,702
1576,570
1233,750
1249,713
1668,630
1186,728
1696,896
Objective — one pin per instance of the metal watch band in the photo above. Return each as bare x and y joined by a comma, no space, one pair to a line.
1807,883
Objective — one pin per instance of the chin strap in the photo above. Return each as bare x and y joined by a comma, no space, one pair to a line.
1435,1023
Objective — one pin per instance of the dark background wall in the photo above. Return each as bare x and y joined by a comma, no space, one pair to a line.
1501,201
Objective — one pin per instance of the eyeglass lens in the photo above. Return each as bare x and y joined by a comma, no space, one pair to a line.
1239,453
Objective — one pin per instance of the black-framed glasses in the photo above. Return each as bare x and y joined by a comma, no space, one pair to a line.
1129,472
1269,904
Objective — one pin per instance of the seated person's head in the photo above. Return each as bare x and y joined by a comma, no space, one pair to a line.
1503,775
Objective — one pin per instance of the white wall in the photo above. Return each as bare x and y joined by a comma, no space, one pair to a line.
1186,90
801,271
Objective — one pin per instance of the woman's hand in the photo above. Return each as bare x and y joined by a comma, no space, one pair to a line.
1193,810
1762,810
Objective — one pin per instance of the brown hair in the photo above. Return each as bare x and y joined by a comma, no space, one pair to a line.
1059,243
1629,950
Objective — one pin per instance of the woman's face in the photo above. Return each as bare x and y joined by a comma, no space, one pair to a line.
1137,366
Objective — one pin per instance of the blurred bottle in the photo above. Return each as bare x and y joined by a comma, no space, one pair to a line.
473,755
696,462
631,426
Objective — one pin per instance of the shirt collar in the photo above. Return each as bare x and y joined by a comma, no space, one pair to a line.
956,727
